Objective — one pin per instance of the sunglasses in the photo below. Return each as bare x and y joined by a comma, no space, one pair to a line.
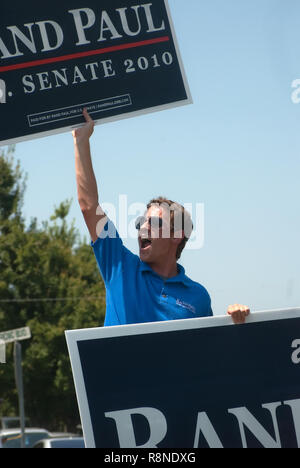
154,222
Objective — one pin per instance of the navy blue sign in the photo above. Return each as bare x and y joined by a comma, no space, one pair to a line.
118,58
191,383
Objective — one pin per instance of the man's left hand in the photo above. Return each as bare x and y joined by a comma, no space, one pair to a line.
238,313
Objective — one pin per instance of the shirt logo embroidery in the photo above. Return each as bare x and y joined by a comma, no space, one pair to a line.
190,307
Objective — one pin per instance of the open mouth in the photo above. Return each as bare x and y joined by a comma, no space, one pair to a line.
144,243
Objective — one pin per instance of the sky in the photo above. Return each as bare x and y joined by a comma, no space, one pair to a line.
234,153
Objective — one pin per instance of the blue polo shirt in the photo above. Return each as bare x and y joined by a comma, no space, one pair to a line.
136,294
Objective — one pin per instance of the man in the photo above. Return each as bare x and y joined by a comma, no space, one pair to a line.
152,286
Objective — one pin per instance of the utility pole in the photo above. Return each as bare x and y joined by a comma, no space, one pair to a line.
15,336
20,388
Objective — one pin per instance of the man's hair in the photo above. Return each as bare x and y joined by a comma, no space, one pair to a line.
180,219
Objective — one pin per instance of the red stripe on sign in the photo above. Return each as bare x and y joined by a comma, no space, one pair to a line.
64,58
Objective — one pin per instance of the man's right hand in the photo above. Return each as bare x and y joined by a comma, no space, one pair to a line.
83,134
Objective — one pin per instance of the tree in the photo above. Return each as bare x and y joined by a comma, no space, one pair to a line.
48,281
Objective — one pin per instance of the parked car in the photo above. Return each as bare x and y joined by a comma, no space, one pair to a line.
11,438
61,442
12,422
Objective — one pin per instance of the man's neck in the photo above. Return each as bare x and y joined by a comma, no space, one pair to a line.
166,271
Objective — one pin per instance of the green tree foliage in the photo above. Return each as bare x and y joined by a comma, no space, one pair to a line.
48,281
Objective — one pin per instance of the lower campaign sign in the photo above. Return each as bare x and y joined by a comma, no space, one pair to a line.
190,383
116,58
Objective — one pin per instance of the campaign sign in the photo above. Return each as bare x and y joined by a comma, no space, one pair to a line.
117,58
190,383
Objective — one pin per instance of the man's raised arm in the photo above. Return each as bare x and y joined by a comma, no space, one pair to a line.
85,178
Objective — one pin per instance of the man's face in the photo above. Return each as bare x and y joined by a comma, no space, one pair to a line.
155,241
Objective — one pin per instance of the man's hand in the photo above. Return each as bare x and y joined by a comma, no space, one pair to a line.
238,313
83,134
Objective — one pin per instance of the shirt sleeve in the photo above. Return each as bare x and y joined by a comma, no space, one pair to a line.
209,307
204,306
109,252
210,312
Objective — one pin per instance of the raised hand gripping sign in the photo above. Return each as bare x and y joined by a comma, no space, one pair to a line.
117,58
